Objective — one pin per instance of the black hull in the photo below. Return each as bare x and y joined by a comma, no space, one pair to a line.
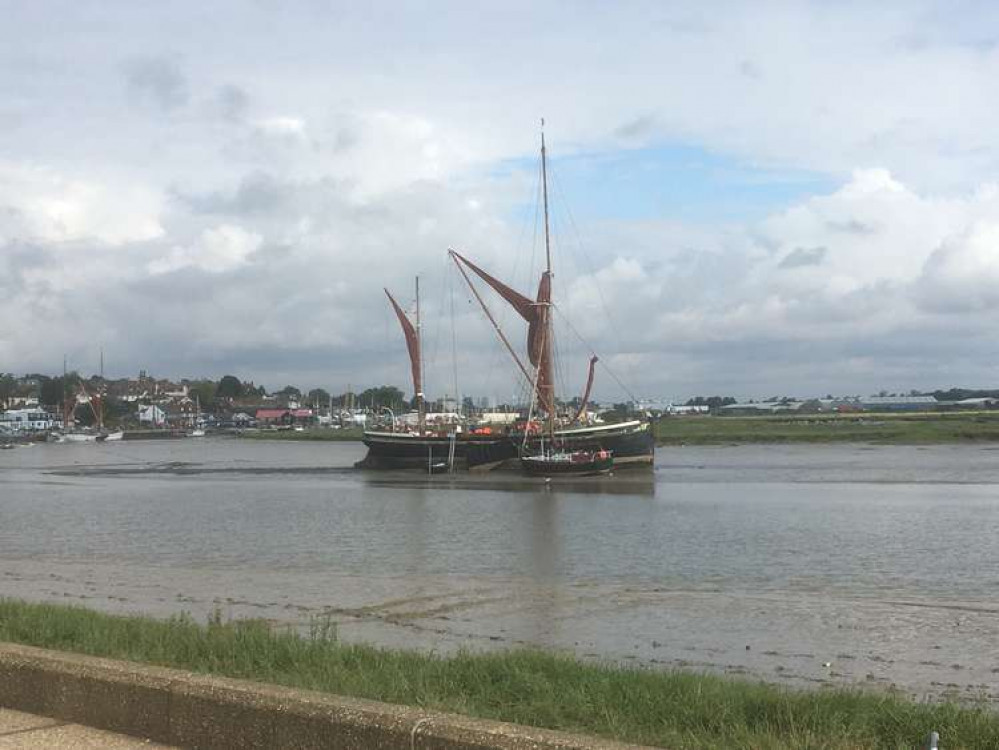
399,451
567,468
632,445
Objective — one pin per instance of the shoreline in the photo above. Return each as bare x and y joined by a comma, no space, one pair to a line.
543,688
935,428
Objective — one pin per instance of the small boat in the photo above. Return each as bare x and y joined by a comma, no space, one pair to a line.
197,430
79,436
580,463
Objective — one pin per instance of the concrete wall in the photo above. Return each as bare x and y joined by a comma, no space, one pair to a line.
198,711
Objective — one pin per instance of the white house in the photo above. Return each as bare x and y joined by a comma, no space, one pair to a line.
24,420
152,415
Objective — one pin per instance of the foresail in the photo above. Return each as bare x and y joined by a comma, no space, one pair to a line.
412,344
586,393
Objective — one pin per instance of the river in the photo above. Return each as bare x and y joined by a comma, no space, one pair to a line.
805,565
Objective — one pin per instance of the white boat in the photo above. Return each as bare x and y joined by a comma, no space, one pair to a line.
96,434
198,431
79,437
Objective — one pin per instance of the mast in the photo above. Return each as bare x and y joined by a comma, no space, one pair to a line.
545,369
421,409
100,398
544,188
65,405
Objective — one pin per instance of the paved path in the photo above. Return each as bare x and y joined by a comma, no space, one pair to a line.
21,730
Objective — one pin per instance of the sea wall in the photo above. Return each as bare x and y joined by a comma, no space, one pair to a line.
198,711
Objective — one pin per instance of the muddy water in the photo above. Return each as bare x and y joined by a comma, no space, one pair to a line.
799,564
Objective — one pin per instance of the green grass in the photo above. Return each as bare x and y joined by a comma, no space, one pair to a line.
314,433
677,710
822,428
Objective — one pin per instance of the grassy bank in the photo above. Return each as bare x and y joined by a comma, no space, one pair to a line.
316,433
816,428
676,710
790,428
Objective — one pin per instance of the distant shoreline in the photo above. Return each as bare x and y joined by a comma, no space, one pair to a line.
864,427
311,433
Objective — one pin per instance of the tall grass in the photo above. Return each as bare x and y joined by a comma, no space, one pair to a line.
825,428
672,709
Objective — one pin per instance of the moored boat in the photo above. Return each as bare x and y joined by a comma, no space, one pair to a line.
631,443
582,463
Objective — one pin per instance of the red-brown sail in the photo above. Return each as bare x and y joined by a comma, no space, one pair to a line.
412,343
586,393
536,313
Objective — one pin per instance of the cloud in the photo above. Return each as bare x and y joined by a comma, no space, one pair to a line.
286,185
962,274
803,256
157,81
232,102
39,204
220,249
290,128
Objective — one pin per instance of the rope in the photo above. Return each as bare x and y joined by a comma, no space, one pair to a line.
602,362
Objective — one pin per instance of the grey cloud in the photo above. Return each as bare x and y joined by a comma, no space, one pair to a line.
851,226
803,256
156,80
346,138
639,128
231,102
750,70
257,193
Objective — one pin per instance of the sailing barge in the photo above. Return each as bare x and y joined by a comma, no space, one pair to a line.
535,446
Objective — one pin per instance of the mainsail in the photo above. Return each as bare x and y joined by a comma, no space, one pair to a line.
413,345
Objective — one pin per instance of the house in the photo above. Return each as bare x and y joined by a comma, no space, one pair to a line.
273,416
152,415
284,416
28,420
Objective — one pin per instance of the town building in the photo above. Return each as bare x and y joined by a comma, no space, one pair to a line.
28,420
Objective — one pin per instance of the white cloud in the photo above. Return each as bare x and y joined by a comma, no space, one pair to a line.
41,204
217,250
284,127
323,158
962,274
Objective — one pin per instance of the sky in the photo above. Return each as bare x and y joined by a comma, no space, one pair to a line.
748,199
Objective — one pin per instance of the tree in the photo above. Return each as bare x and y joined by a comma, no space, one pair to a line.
385,395
318,396
8,387
229,388
204,390
290,390
55,391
